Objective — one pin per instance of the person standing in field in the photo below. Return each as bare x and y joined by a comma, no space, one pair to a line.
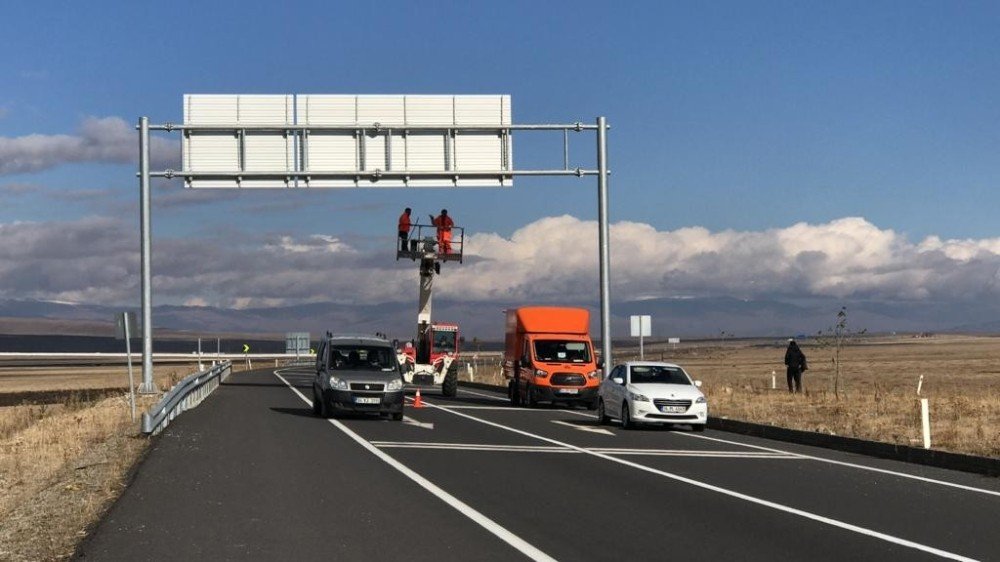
795,363
404,228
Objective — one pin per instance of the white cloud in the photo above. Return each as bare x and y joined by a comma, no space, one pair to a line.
95,260
105,140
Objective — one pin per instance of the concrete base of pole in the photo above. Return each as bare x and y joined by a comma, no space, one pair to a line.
149,388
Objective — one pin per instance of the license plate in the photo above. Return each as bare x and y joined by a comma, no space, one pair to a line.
569,391
367,400
674,409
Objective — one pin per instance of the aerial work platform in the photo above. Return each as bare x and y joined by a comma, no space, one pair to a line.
422,243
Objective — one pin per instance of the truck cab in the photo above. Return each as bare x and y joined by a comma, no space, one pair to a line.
436,353
549,357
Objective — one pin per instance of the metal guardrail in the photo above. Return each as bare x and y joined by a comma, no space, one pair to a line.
183,396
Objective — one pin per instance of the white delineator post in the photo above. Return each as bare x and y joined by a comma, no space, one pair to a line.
925,419
920,384
774,380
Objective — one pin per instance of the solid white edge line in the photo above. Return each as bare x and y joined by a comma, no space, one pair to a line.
732,493
485,522
850,464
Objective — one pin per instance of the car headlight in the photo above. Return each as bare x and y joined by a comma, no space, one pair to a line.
592,375
636,397
541,374
700,400
395,384
338,383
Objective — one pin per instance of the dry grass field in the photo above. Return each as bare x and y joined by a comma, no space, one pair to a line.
62,464
879,382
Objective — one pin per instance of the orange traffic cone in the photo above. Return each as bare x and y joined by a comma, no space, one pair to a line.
417,401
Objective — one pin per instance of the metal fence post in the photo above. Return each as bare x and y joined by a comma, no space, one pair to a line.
147,386
604,244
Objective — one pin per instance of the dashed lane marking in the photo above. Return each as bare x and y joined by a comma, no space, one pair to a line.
587,428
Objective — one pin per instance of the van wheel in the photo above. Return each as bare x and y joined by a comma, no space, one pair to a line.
315,405
324,409
397,416
450,386
626,418
514,393
531,398
602,415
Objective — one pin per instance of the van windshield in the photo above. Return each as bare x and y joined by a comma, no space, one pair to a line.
361,358
562,351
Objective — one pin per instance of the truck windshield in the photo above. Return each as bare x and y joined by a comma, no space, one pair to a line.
562,351
361,358
444,342
655,374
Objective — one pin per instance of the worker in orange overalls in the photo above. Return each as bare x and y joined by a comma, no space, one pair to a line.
443,223
404,229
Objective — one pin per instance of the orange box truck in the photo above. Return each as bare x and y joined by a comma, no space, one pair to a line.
548,356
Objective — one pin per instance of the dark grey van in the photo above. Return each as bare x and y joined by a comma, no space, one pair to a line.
357,374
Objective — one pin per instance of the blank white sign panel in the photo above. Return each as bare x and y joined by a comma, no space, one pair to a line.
383,136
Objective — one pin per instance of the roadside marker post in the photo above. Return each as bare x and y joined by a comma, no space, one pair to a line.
774,380
246,350
925,419
641,326
920,384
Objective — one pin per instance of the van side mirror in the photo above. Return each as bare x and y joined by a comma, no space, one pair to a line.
600,364
697,383
618,380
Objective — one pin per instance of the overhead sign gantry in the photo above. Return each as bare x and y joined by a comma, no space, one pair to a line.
301,141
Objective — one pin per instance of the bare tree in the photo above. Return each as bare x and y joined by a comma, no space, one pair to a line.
836,337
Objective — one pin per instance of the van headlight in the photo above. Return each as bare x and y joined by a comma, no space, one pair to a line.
541,374
700,400
395,384
338,383
592,375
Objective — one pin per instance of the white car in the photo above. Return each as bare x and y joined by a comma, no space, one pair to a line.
651,392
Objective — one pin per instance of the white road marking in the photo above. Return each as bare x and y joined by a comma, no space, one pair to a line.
803,456
498,530
410,421
587,428
732,493
552,449
495,397
850,464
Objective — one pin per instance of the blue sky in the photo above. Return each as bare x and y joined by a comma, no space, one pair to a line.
725,115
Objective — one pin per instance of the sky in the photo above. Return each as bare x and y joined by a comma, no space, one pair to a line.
767,149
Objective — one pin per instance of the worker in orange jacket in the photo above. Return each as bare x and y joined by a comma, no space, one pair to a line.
443,223
404,228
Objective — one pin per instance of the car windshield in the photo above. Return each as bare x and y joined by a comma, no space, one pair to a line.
562,351
361,358
657,374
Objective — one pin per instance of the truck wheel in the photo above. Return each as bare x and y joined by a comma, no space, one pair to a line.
450,385
592,405
530,397
602,415
514,393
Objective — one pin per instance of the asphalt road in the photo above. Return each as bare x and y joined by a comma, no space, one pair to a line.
252,475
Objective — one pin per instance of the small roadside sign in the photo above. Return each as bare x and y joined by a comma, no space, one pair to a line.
123,318
246,348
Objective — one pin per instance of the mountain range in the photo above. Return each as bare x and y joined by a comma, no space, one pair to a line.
671,317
